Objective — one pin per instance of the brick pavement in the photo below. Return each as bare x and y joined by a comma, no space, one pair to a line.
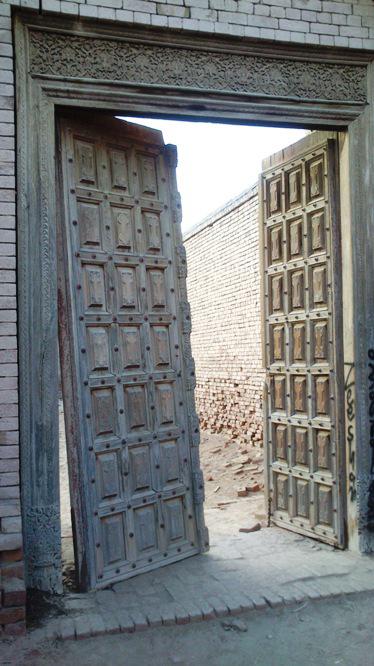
242,572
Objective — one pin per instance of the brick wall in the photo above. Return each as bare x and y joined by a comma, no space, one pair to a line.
12,591
224,292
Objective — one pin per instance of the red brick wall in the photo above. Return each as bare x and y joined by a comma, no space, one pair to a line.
224,292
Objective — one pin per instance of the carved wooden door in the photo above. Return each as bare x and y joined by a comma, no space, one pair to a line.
128,375
301,305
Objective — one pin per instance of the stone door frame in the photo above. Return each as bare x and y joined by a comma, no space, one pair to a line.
62,63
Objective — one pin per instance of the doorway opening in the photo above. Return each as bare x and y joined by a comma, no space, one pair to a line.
223,258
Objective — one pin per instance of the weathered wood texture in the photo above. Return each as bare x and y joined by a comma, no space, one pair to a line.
302,329
132,433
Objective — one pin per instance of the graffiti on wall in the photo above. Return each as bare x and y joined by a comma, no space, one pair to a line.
350,414
370,514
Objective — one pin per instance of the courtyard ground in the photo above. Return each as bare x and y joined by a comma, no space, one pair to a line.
325,633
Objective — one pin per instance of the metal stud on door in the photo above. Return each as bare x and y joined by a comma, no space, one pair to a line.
301,305
132,433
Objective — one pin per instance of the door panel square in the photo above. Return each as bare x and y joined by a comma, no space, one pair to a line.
136,409
113,538
123,226
145,529
89,224
127,288
140,469
119,173
94,287
103,407
98,346
131,347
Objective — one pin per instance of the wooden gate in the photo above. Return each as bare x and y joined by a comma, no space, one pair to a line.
128,375
302,338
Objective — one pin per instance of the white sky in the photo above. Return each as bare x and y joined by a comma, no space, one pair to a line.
216,162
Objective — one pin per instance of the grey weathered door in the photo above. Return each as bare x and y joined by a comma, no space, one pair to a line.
301,304
128,375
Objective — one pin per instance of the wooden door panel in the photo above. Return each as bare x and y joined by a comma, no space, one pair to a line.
124,311
301,304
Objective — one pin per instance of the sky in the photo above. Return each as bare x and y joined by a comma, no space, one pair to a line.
217,162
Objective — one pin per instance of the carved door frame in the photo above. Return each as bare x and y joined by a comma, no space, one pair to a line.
146,72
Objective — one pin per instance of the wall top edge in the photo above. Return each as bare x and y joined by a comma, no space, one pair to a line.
49,22
221,212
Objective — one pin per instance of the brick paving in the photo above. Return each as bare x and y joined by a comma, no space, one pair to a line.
270,568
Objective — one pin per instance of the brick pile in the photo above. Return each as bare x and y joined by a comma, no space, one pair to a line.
224,292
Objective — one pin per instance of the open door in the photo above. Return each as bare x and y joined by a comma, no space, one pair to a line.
128,375
303,408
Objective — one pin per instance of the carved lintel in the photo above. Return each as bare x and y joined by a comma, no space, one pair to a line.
102,58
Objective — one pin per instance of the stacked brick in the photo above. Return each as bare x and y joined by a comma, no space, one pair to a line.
344,23
224,292
12,588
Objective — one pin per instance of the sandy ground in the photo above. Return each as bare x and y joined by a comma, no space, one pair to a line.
230,467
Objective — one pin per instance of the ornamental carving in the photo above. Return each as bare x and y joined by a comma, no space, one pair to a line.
83,57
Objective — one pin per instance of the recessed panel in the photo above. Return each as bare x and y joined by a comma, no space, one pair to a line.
174,519
131,347
315,179
113,538
325,515
89,224
123,225
94,287
301,447
140,468
322,397
281,491
127,289
299,394
103,411
160,346
119,170
293,188
98,345
320,341
280,441
317,233
295,239
157,289
278,344
152,227
319,286
165,404
85,163
298,343
302,498
169,462
148,175
297,284
107,468
276,293
275,238
274,202
279,392
136,407
145,528
322,449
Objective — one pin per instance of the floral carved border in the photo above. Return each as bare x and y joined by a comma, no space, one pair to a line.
57,55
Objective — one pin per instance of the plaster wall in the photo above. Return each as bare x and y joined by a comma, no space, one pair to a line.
224,293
